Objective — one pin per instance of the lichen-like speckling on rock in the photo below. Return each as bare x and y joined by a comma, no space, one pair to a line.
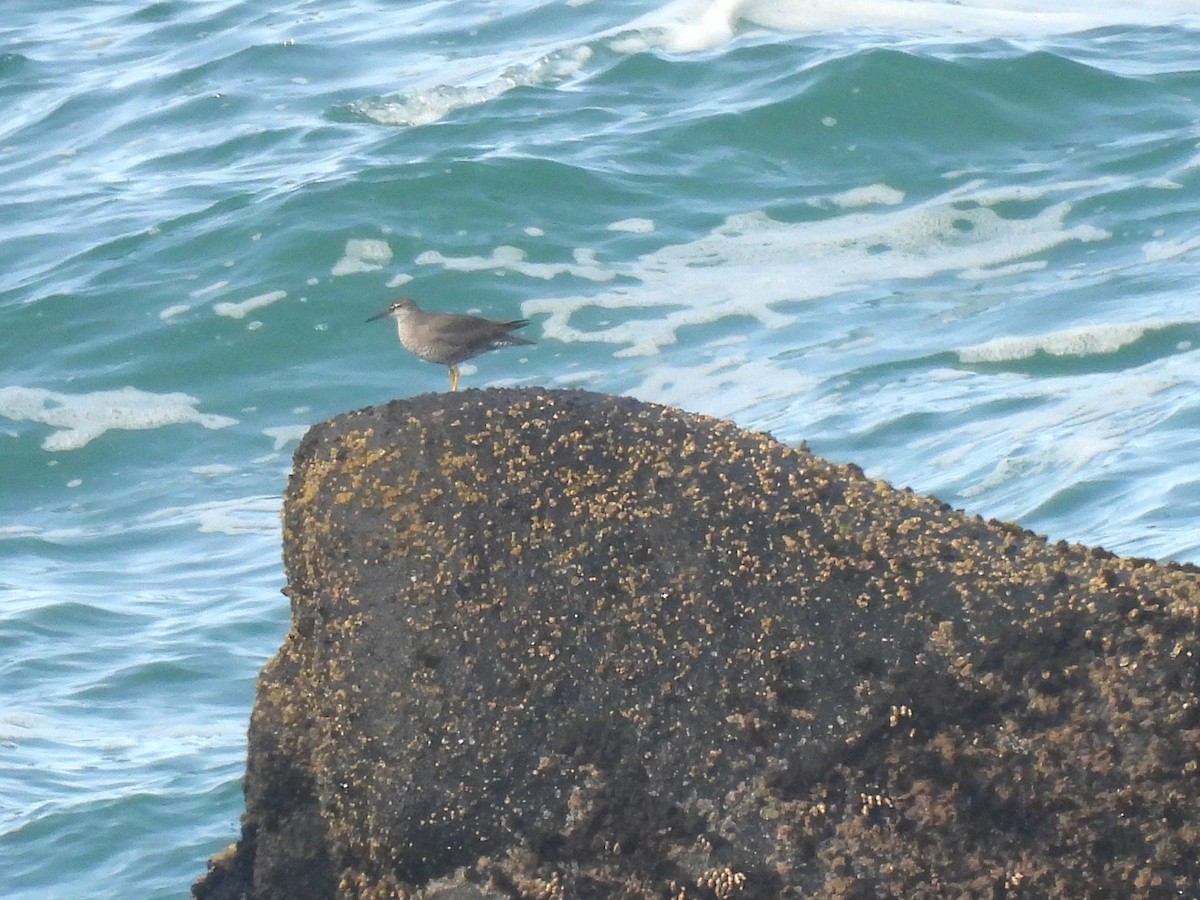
560,644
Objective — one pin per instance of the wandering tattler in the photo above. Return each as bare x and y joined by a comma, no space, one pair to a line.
449,339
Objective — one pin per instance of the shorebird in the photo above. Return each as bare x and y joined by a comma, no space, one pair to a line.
449,339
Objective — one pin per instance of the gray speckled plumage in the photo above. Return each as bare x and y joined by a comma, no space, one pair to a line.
447,338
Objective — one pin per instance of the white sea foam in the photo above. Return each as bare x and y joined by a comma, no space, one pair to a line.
752,263
49,535
283,435
210,289
81,418
172,311
633,226
19,531
430,103
1052,432
1017,268
868,195
1157,251
362,255
242,515
687,26
987,18
727,383
214,470
248,515
514,259
1084,341
241,310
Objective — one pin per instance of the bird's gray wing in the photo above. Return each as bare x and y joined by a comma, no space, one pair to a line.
466,331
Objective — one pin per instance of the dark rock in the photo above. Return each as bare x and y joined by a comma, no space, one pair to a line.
570,645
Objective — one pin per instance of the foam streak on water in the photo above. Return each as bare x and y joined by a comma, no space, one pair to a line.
954,242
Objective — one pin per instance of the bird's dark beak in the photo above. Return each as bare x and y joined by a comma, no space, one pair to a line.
380,315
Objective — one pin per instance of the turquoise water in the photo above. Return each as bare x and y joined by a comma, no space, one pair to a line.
957,244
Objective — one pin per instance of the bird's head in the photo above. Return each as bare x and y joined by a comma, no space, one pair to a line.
399,308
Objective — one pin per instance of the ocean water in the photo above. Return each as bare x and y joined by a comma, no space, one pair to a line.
956,243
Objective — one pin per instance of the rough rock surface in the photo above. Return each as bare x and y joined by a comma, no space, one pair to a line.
565,645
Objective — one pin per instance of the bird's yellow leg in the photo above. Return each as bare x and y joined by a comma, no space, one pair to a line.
454,378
